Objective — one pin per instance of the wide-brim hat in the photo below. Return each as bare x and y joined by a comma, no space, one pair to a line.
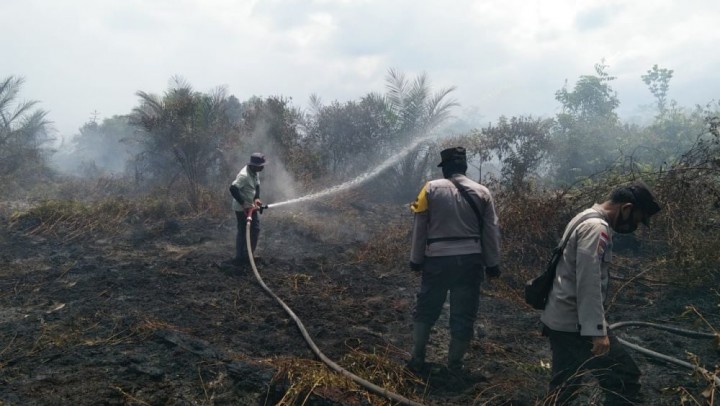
257,159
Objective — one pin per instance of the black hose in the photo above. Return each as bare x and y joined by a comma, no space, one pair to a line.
337,368
667,358
672,329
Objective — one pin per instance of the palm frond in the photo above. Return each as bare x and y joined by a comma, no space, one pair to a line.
315,103
396,89
35,123
9,89
21,110
439,107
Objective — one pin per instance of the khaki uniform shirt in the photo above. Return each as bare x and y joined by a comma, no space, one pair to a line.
576,302
445,223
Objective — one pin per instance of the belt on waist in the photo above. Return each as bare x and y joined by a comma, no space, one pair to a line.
432,240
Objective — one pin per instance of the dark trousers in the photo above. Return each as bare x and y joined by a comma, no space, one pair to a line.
461,276
616,372
241,253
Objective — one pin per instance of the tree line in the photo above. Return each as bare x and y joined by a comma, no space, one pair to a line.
193,142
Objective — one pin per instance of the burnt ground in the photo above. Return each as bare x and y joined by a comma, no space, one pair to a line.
151,314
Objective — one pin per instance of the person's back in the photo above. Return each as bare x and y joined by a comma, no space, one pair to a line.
451,244
453,228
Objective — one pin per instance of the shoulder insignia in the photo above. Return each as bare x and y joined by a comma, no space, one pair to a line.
420,204
602,244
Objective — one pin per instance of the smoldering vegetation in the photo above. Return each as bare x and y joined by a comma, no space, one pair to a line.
144,195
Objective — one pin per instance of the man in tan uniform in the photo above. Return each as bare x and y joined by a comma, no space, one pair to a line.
452,243
574,317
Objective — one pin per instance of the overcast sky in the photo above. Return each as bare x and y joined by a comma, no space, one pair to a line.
505,57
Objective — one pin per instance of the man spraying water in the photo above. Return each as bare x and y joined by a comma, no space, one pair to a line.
245,190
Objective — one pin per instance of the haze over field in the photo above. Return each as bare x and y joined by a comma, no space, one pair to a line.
82,56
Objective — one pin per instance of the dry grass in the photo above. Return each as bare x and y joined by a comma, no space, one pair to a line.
77,220
71,219
305,378
83,332
130,398
148,326
318,226
388,247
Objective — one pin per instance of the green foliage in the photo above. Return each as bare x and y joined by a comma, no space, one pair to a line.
182,134
588,133
663,143
347,138
592,99
23,131
521,144
658,81
271,125
272,120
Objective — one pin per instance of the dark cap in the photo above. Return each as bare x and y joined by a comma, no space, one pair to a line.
454,155
642,198
257,159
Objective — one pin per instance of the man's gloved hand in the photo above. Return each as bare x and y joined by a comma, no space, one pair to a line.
415,267
492,271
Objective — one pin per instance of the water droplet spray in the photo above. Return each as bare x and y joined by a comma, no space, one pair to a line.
357,181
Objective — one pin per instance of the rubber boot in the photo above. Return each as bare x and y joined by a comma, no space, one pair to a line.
421,334
456,352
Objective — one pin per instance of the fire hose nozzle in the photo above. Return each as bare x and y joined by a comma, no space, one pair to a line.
259,208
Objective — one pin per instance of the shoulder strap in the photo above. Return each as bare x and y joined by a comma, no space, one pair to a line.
579,221
470,201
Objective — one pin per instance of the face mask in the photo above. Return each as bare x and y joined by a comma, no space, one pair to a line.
626,225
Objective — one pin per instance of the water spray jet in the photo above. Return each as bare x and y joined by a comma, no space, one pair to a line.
358,180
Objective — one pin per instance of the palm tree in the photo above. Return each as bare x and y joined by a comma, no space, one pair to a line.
181,134
23,130
416,112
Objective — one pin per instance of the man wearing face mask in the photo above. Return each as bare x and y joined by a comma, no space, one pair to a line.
245,190
574,317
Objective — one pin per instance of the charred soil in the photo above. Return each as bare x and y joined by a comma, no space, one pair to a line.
153,313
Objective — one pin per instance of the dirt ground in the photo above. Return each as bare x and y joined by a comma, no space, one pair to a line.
151,314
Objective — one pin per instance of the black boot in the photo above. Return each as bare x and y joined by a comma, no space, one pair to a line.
456,352
421,334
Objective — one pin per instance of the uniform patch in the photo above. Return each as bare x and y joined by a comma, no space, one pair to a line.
420,204
602,245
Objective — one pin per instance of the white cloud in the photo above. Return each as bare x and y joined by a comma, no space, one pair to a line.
504,57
